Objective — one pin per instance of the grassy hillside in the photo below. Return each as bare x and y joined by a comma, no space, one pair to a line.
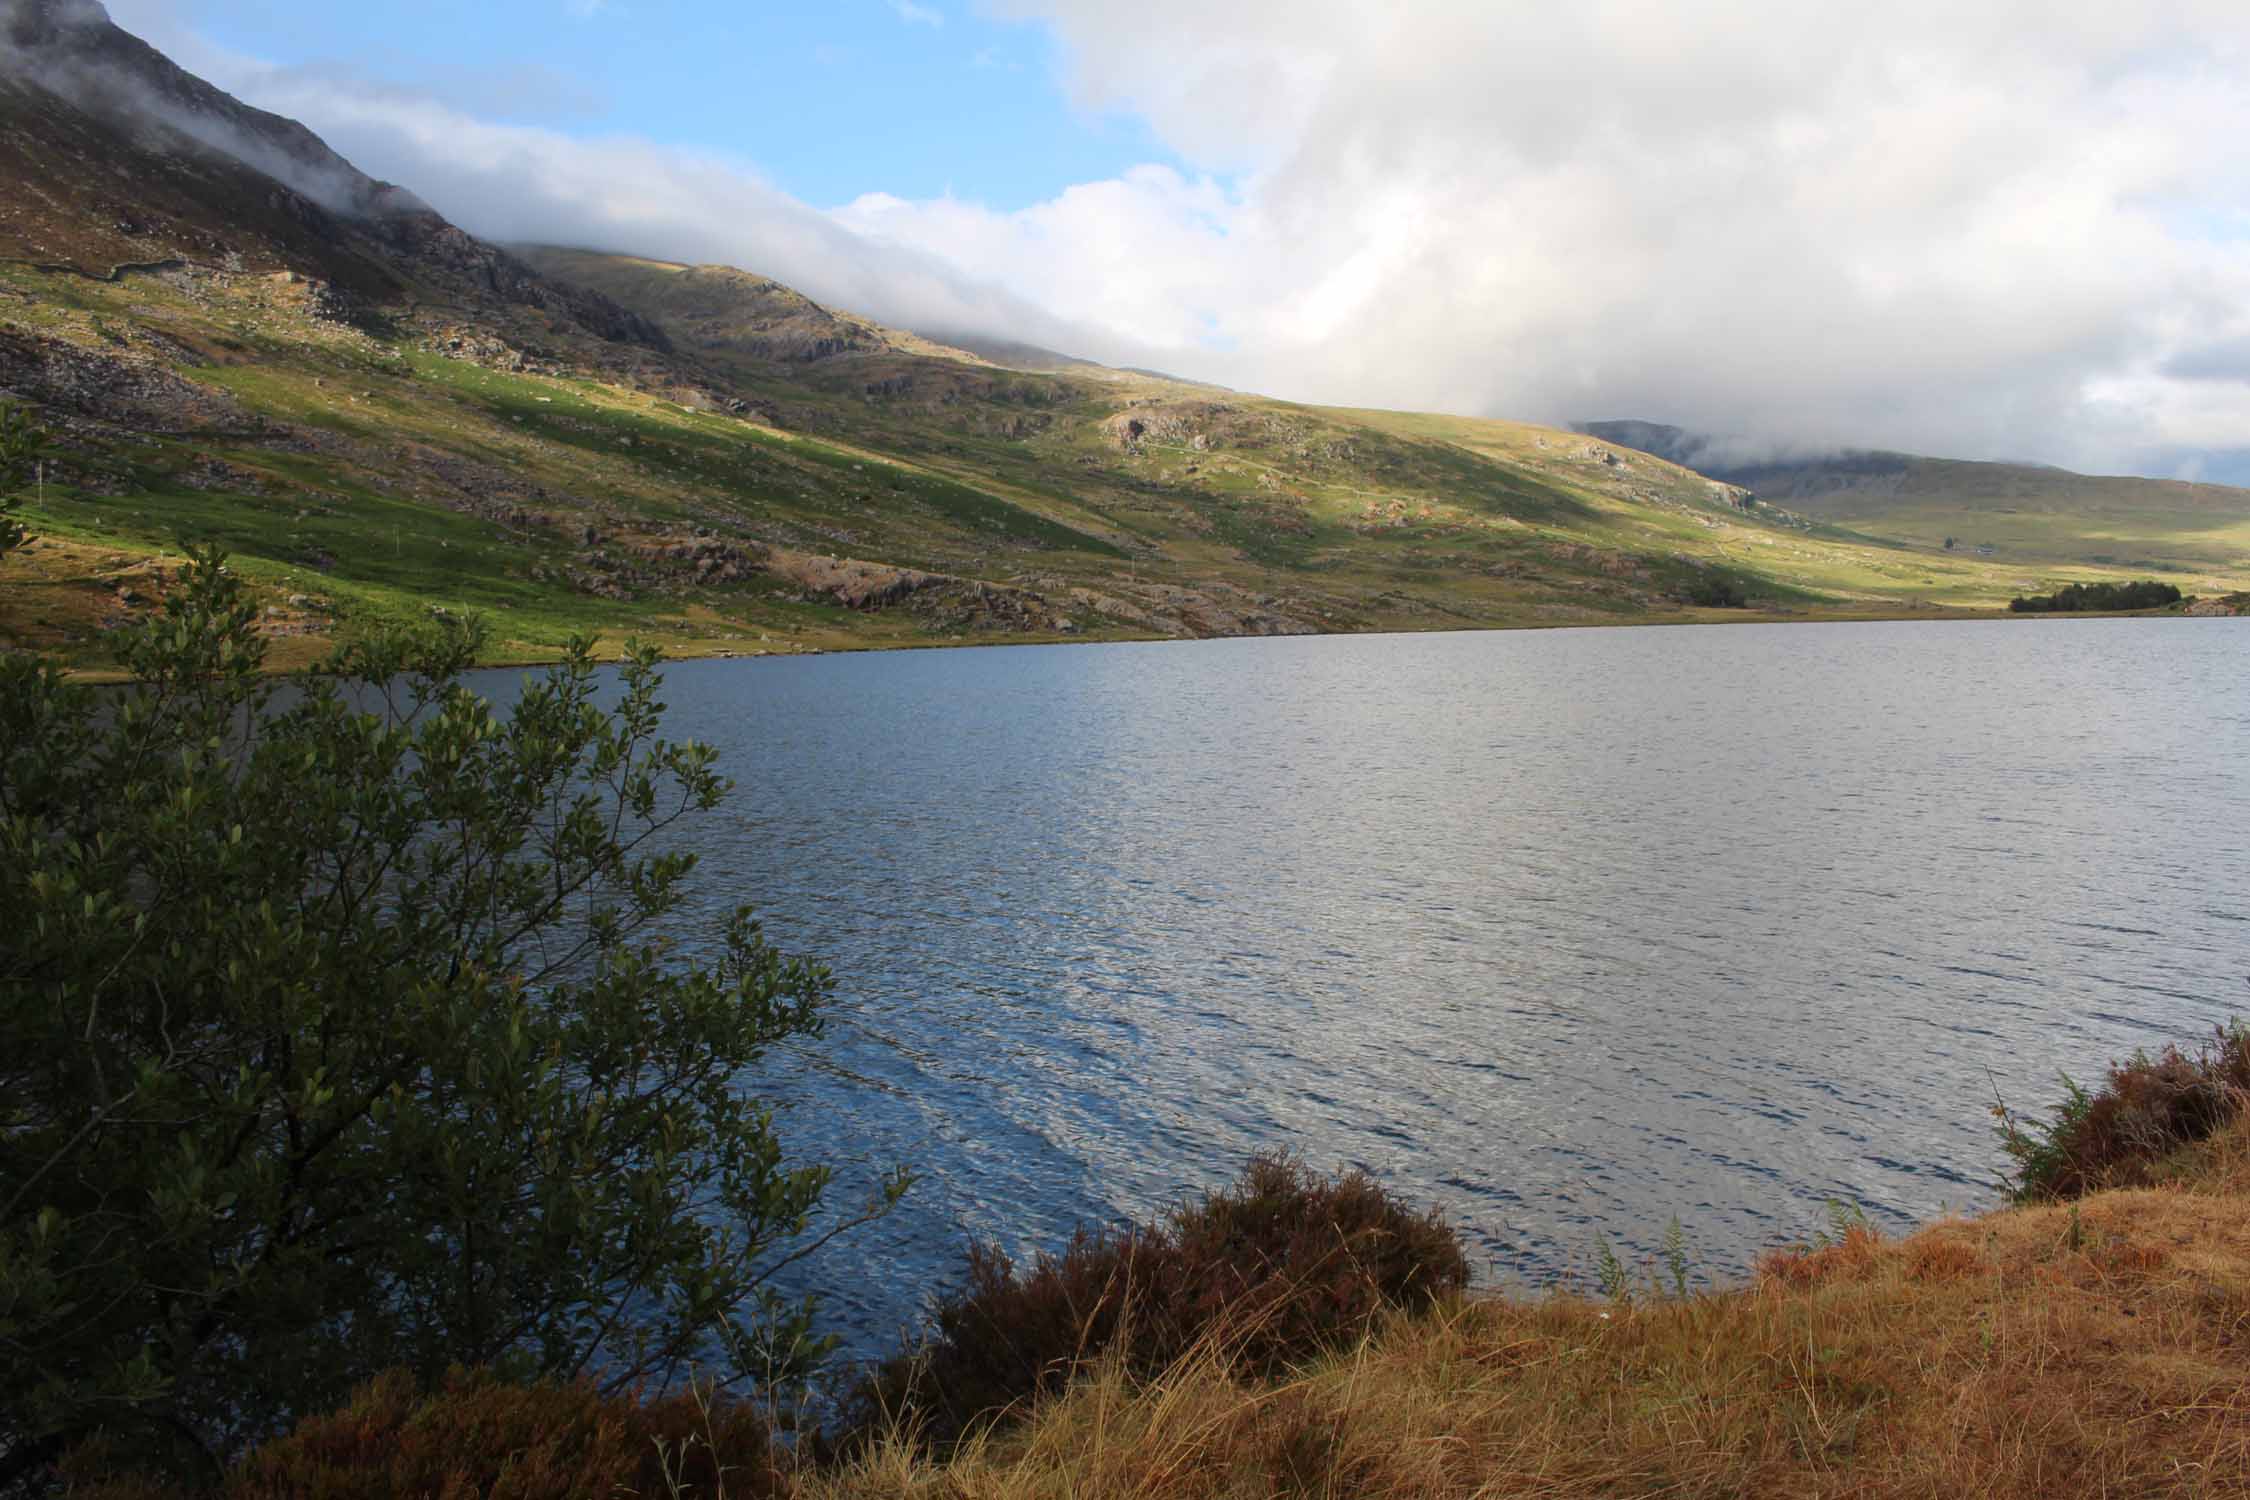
732,496
742,317
2182,531
381,417
2020,515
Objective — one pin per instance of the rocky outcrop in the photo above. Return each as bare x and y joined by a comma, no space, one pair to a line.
433,246
1204,612
121,390
628,567
1047,606
454,341
948,602
1195,425
705,559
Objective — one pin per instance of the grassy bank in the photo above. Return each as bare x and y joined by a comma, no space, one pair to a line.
2081,1342
2094,1348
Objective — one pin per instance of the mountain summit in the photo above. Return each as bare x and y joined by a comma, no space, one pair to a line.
116,157
73,50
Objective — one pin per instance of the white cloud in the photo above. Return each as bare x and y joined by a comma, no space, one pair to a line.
528,184
2000,229
1977,229
918,15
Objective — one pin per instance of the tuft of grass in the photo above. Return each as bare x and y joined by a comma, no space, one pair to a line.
1676,1256
1616,1281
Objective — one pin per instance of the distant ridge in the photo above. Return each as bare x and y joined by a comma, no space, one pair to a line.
2033,510
730,312
1010,354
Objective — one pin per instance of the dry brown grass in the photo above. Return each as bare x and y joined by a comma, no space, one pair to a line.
2096,1350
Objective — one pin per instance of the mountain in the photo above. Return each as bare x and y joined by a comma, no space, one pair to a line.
1011,354
119,160
235,336
2022,512
732,314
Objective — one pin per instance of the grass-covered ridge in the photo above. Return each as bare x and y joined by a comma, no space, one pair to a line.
794,478
2029,513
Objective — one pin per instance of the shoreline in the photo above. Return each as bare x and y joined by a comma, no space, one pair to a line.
683,651
2077,1346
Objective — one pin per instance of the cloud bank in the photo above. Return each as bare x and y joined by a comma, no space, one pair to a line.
517,183
2008,229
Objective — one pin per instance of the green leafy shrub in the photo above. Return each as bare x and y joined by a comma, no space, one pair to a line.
2147,1109
1716,591
476,1437
1273,1270
336,1037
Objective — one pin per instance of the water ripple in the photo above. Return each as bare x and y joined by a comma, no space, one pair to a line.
1569,931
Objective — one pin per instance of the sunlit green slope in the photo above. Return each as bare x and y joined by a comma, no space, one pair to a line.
381,418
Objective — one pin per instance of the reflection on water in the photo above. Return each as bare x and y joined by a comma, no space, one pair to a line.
1567,931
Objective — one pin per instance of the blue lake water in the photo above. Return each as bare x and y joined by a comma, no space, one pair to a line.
1568,932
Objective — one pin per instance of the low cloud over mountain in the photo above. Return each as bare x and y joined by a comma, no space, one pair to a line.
2006,230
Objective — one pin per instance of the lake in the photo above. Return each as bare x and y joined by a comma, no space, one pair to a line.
1568,932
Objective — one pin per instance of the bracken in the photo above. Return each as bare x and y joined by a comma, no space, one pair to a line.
2118,1136
1273,1271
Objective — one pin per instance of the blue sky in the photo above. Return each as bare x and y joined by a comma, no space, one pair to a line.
918,98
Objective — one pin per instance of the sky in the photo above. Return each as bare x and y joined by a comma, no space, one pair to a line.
2012,229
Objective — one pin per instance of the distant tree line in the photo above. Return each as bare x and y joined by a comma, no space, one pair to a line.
2146,594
